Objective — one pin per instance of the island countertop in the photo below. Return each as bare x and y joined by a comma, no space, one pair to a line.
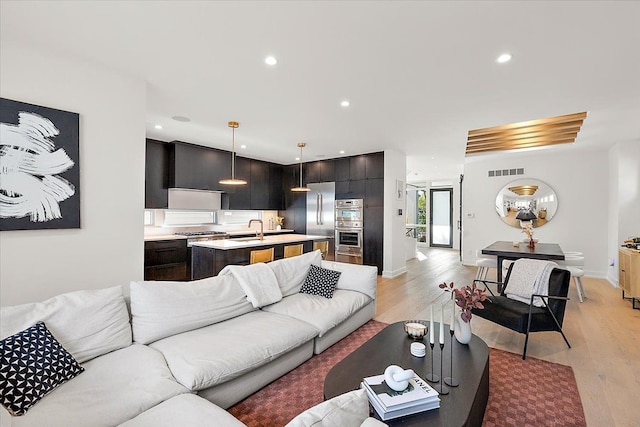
251,242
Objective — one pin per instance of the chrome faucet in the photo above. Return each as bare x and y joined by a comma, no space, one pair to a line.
261,235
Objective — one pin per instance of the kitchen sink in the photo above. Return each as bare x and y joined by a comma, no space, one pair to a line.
246,239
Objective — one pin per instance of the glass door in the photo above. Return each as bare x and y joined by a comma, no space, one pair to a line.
416,213
441,217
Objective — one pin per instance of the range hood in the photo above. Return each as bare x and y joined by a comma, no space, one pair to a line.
183,198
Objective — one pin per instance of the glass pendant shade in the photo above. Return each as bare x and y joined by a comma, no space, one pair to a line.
233,180
301,188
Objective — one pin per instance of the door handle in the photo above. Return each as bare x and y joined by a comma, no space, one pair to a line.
321,210
317,208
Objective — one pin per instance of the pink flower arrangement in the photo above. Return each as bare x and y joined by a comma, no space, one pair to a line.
467,298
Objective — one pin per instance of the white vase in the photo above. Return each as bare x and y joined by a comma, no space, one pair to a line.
278,227
463,330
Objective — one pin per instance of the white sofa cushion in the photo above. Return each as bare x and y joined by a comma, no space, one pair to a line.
292,271
162,309
218,353
87,323
257,281
113,388
349,409
184,410
319,311
355,277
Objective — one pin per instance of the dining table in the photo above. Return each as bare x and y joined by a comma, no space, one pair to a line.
509,250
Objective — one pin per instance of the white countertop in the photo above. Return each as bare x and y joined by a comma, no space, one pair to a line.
150,238
226,244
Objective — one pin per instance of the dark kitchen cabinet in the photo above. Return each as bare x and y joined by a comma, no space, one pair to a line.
372,236
320,171
374,165
374,192
156,174
239,196
196,167
259,183
341,167
357,167
354,189
165,260
275,187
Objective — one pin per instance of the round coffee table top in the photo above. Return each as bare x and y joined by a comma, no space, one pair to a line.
463,406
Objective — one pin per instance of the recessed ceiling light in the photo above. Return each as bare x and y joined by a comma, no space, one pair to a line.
341,151
505,57
297,159
243,146
345,103
158,126
181,119
270,60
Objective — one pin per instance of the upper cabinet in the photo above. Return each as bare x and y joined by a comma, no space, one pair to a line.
199,168
156,174
374,165
320,171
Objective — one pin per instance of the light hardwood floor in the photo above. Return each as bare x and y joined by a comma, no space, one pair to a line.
604,333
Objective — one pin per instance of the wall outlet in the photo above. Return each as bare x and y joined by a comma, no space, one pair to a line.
612,263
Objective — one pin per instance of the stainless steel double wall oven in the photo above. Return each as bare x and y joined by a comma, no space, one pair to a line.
348,226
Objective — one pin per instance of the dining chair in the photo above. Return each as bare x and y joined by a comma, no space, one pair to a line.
575,264
484,263
323,247
525,318
261,255
292,250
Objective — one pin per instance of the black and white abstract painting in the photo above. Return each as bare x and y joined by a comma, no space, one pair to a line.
39,167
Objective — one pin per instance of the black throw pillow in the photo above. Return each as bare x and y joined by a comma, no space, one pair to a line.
320,281
32,363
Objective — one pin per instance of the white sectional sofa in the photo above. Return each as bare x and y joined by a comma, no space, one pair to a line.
219,339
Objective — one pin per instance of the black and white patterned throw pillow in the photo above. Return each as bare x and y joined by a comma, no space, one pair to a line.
320,281
32,363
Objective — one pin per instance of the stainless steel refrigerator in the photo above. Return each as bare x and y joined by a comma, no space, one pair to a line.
321,211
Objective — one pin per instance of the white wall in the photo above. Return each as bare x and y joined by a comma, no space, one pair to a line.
108,248
624,199
581,183
394,261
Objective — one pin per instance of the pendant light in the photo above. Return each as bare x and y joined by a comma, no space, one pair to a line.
233,180
301,189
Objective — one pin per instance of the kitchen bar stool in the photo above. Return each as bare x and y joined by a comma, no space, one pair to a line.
261,255
323,247
292,250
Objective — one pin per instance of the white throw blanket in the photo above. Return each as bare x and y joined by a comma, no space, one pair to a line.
257,281
528,277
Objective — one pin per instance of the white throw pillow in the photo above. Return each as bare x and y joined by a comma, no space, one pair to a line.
87,323
162,309
355,277
349,409
291,272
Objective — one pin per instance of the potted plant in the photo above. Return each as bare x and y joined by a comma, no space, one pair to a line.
467,298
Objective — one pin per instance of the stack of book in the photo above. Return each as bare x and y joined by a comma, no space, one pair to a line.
389,404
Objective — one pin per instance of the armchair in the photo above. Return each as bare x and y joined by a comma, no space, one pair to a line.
525,318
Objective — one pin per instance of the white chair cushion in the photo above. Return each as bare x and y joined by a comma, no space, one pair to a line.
349,409
113,389
291,272
322,313
162,309
487,262
87,323
184,410
218,353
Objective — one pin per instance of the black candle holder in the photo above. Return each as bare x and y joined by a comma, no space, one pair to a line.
451,381
431,376
441,388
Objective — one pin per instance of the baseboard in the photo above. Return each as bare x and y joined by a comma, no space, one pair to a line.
395,273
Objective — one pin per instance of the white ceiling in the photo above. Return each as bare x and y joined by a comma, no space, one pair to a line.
418,75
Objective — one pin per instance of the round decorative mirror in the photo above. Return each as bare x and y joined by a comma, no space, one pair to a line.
526,201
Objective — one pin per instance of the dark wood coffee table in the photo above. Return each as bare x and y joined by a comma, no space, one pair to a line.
463,406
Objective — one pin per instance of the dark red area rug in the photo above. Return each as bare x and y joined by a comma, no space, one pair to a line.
529,392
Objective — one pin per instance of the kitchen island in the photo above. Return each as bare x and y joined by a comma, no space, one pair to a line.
208,258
